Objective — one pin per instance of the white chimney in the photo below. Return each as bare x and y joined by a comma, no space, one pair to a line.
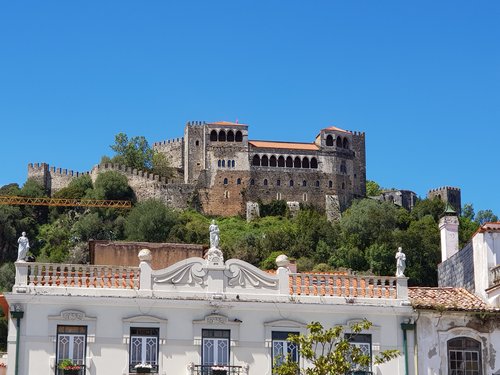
448,226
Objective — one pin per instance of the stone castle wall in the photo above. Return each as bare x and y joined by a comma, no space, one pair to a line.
173,150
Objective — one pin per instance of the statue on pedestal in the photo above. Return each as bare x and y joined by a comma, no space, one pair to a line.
23,247
214,254
400,262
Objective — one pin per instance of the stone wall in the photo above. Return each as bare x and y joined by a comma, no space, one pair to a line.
448,194
458,270
173,150
125,253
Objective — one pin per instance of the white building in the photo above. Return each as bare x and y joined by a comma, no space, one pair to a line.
196,317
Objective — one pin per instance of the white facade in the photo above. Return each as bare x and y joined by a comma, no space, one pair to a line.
189,306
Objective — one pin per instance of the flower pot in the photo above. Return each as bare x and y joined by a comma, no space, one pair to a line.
71,372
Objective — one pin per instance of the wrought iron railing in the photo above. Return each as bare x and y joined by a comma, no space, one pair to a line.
217,370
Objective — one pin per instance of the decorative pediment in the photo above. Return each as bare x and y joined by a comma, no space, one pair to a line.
71,315
189,272
285,323
243,274
144,319
216,319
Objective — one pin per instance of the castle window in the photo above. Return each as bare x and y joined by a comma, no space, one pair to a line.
314,163
232,163
256,160
219,163
213,136
343,167
197,143
278,182
339,142
330,184
225,181
297,163
264,161
252,182
304,197
304,183
281,161
265,182
278,196
272,161
230,136
229,163
291,183
345,143
343,185
317,183
223,163
305,163
226,194
329,140
222,136
289,162
238,181
238,137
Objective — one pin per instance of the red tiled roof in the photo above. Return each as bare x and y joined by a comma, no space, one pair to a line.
489,227
285,145
447,298
334,128
225,123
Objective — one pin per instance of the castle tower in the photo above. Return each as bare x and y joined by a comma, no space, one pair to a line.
194,150
448,194
448,226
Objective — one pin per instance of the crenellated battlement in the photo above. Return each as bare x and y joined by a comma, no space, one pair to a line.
169,141
105,167
196,123
443,188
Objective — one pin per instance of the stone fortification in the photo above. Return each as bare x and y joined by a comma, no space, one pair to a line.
222,170
448,194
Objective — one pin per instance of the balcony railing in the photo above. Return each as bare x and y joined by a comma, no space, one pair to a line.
341,285
217,370
495,276
77,275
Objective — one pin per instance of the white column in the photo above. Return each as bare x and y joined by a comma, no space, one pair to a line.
448,225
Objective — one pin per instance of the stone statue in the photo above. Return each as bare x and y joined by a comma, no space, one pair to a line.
23,247
400,262
214,235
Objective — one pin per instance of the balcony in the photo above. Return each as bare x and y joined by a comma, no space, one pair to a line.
495,276
218,370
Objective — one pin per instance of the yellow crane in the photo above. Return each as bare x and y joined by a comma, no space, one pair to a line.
63,202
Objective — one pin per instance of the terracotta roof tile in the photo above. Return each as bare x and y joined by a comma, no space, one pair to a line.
447,298
334,128
285,145
226,123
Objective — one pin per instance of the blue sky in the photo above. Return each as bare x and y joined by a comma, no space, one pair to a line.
421,79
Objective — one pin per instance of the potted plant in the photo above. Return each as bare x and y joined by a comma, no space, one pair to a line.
69,367
143,368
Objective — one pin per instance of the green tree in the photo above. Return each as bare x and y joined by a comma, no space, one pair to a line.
372,189
329,352
134,152
468,211
161,165
485,216
150,221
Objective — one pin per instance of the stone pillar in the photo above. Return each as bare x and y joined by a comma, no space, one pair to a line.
253,211
283,273
145,268
448,225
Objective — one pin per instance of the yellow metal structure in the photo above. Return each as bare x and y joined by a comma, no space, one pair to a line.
63,202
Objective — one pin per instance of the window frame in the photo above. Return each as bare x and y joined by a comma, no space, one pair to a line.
143,337
80,361
278,336
464,350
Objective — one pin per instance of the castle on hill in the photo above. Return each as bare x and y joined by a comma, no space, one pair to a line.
226,173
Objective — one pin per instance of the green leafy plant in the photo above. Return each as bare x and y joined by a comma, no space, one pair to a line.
68,364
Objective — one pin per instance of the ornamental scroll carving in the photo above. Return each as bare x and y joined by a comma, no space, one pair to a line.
245,275
189,273
72,315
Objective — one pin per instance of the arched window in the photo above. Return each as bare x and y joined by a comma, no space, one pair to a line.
225,181
218,163
314,163
230,136
229,163
329,140
291,183
265,182
226,194
343,167
339,142
304,183
330,184
289,162
278,182
272,161
222,136
297,163
223,163
238,137
281,161
256,160
213,136
232,163
197,143
345,143
264,161
464,356
278,196
238,181
252,182
305,163
343,185
304,197
317,183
